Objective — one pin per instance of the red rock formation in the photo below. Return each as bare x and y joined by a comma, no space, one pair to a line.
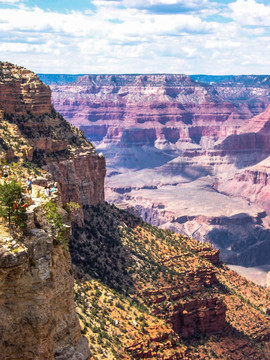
198,316
21,91
71,160
173,107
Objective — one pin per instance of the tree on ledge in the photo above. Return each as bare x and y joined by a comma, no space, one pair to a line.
10,194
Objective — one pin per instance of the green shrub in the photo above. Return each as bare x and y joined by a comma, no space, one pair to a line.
10,193
54,216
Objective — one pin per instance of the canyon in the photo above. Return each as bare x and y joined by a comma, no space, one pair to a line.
141,292
186,153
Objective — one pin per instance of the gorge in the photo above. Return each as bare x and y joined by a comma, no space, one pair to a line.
140,292
188,153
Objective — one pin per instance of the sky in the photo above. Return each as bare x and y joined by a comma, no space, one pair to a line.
137,36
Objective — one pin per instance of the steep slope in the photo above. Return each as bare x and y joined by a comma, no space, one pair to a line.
146,293
38,319
46,139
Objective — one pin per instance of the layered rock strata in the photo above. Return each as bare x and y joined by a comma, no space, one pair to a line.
37,312
164,111
21,91
51,142
38,319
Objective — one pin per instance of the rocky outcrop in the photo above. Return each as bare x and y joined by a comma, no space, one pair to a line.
159,339
37,312
189,313
80,179
198,316
51,142
21,91
38,318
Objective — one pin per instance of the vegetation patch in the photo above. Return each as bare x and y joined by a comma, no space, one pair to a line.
54,216
10,209
134,280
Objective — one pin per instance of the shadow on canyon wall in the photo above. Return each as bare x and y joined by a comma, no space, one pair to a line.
189,172
242,240
246,149
97,250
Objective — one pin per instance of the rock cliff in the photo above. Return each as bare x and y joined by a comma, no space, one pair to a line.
49,140
38,318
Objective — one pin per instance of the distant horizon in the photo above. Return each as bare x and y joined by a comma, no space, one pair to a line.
161,73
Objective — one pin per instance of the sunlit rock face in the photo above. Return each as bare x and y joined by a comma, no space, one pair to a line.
38,318
21,91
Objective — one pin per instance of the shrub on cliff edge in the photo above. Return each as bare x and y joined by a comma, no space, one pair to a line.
10,193
54,216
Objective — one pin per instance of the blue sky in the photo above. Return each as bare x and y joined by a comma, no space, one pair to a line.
137,36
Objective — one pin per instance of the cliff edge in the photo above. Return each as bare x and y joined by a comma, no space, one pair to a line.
37,311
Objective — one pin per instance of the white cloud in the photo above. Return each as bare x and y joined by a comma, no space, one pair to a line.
249,12
8,1
189,4
115,38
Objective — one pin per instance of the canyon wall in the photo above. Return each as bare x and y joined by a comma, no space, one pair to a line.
168,108
38,318
182,152
166,116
